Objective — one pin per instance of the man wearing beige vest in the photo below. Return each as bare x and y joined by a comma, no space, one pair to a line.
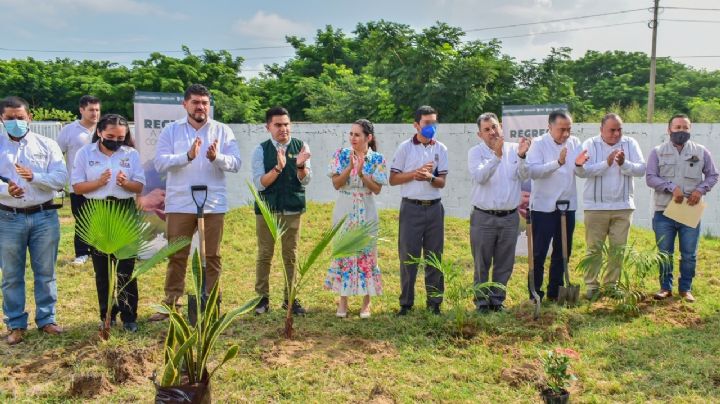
678,169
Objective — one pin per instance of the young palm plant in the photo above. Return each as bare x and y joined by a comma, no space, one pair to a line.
121,233
637,265
345,241
187,348
457,290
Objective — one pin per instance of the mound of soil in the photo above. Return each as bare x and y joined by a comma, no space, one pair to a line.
90,386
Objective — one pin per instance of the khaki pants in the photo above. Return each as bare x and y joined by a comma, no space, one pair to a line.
600,225
266,248
184,225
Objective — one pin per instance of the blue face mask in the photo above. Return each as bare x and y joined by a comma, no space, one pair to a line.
16,127
429,131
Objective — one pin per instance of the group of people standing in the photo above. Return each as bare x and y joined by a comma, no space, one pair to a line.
103,164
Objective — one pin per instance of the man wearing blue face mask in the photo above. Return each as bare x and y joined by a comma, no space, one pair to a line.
420,166
34,168
678,169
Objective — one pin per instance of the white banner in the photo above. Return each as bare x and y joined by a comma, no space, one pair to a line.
527,120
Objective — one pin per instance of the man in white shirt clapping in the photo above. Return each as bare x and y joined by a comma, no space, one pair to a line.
553,179
195,150
497,170
609,161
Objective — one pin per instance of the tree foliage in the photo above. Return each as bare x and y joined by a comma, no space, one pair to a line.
381,71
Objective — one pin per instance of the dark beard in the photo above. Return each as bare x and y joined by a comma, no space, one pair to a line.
196,119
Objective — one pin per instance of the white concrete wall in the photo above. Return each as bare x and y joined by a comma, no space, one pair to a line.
324,139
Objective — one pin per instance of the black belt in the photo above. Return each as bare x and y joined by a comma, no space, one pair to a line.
32,209
498,213
112,198
422,202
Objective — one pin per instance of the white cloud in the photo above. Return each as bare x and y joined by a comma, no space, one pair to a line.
270,26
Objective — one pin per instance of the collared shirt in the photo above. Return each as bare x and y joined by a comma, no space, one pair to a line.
71,139
496,181
552,182
91,162
610,187
40,154
171,158
411,155
258,166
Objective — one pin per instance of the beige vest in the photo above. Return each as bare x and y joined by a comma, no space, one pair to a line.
684,169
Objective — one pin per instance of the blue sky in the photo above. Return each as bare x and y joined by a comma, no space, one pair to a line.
141,25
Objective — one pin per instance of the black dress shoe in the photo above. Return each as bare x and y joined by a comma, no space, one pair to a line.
297,309
434,309
483,309
130,327
404,311
263,306
497,307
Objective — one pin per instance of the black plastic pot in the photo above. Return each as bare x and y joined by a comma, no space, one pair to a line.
550,397
198,393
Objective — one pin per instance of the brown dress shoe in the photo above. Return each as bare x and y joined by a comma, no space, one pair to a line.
662,294
158,317
15,336
687,296
52,329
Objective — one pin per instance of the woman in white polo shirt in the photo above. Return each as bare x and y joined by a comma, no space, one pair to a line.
109,168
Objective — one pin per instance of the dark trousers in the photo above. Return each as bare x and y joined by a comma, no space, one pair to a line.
127,300
492,242
546,228
422,230
76,202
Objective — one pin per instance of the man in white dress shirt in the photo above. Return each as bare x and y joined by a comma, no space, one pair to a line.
609,161
550,162
195,150
497,170
72,138
32,170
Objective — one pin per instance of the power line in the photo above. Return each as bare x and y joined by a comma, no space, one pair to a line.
557,20
678,20
566,30
690,8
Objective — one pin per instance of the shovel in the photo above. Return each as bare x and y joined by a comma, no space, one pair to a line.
569,294
531,267
199,196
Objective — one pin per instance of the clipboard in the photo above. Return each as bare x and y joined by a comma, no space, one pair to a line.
684,213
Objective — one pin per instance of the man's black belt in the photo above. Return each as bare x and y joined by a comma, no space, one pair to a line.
498,213
422,202
115,199
31,209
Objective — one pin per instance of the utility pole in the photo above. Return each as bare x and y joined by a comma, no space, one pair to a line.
651,92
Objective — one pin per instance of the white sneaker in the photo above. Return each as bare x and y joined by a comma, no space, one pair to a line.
81,260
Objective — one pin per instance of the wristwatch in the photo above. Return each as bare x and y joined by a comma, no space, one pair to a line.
277,170
432,179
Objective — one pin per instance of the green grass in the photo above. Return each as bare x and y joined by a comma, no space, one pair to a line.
669,352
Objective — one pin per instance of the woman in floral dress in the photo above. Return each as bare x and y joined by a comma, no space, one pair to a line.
358,173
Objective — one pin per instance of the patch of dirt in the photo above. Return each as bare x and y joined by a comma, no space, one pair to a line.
681,315
557,333
90,386
334,351
525,373
379,395
134,366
